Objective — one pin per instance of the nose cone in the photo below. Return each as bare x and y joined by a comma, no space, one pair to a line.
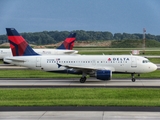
153,67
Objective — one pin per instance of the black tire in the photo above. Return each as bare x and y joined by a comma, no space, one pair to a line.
133,79
82,79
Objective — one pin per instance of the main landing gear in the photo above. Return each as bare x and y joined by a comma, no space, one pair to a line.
83,78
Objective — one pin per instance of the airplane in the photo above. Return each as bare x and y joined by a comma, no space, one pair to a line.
65,48
99,66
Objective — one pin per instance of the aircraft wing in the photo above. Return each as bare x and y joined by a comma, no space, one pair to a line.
88,68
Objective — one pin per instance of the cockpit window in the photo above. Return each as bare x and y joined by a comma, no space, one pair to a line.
145,61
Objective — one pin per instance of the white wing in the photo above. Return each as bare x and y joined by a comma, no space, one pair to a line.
88,68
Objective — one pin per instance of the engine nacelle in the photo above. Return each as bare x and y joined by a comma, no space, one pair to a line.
103,74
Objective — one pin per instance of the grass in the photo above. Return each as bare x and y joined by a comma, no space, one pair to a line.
155,60
117,51
100,50
43,74
80,97
125,52
33,74
155,74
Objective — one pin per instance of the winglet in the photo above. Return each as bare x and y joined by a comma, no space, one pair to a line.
18,44
68,42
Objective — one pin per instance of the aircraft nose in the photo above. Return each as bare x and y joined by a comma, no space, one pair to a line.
154,67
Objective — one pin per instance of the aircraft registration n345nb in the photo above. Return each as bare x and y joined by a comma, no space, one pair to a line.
99,66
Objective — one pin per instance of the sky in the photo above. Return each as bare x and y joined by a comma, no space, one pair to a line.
115,16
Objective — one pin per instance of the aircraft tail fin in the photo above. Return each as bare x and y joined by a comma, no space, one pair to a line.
68,42
18,44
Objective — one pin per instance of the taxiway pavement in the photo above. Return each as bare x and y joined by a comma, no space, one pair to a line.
79,115
74,82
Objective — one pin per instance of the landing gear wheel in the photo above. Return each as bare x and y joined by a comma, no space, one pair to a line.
133,79
82,79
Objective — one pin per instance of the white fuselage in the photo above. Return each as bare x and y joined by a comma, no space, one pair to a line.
7,52
90,63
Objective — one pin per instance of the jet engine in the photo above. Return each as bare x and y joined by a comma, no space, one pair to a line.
103,74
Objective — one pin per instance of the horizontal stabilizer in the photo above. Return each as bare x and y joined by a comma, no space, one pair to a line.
14,59
70,51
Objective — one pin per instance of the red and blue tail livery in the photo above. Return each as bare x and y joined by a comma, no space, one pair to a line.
69,42
18,44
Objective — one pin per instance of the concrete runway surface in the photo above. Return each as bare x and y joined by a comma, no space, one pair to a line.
75,83
79,115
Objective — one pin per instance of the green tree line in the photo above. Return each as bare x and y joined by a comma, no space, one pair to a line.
52,37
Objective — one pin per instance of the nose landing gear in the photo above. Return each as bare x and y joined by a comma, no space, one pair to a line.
133,78
83,78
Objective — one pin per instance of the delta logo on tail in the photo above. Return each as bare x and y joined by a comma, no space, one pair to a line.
69,42
18,44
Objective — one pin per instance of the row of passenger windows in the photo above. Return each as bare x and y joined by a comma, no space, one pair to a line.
87,62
